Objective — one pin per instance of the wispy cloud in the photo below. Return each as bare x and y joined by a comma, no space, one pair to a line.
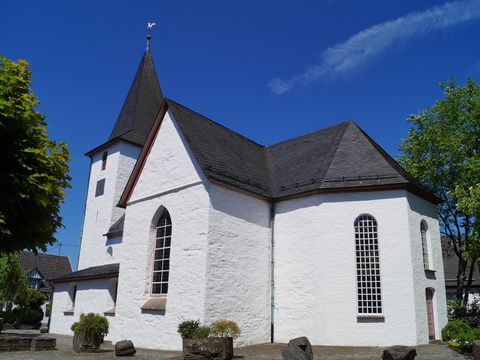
369,43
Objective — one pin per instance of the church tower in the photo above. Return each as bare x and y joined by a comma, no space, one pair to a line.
112,163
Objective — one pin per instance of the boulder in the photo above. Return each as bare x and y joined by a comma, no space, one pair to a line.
44,330
298,349
124,348
476,350
399,352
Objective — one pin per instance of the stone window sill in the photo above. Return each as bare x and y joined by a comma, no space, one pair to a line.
69,312
371,317
155,304
110,312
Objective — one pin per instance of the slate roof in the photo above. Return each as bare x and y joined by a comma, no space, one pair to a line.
48,265
338,158
140,107
109,270
117,227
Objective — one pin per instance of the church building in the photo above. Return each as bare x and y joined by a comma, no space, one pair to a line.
322,235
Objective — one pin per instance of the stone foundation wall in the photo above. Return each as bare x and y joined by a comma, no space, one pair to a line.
26,343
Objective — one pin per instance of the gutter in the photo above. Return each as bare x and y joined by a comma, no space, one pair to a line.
272,271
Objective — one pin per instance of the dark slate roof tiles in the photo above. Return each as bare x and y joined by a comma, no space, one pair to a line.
141,104
91,272
48,265
338,157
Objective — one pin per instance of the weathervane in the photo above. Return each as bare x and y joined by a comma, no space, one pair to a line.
150,26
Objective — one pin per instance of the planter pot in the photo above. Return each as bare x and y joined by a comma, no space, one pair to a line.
209,348
86,343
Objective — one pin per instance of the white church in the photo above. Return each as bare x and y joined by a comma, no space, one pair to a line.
323,235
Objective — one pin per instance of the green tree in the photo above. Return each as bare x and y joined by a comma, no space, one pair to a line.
34,170
442,150
12,279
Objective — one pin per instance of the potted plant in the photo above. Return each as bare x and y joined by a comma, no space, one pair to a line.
89,332
215,341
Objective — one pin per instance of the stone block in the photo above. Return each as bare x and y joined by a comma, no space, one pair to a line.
476,350
293,353
399,352
124,348
209,348
43,343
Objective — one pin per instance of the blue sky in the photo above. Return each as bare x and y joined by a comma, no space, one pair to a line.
270,70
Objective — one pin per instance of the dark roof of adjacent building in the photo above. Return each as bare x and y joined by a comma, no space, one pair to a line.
140,107
48,265
338,158
102,271
450,266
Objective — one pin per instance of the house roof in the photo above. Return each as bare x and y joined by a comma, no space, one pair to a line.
450,266
338,158
140,107
102,271
48,265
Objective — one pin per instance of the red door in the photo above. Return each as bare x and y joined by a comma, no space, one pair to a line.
431,323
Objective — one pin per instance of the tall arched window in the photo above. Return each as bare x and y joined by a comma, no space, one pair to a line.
423,234
369,294
161,262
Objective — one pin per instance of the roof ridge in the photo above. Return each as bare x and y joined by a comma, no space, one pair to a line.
388,158
216,123
333,151
308,133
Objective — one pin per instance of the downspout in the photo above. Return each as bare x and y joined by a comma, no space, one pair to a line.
272,270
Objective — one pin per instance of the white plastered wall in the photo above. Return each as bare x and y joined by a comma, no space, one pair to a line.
315,270
92,296
101,211
422,210
170,179
238,273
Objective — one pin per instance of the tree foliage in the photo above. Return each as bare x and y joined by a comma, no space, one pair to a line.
12,279
34,171
442,150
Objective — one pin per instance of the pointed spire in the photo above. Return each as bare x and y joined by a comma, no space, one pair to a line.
141,105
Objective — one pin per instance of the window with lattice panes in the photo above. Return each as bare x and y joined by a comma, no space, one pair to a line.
161,262
369,292
423,235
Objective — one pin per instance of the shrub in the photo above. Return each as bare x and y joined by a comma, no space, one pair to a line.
225,328
91,324
19,316
31,298
455,310
202,332
187,328
454,329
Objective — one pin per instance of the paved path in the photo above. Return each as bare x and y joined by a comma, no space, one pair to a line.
257,352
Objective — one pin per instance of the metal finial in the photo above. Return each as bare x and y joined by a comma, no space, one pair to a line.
150,26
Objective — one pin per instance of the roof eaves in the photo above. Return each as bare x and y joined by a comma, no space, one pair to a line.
140,163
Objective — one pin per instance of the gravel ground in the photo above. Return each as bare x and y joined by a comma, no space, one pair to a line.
257,352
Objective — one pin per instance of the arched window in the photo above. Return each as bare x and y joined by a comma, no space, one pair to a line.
423,234
104,160
369,294
161,262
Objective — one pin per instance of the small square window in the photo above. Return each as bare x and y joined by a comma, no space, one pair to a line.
100,187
